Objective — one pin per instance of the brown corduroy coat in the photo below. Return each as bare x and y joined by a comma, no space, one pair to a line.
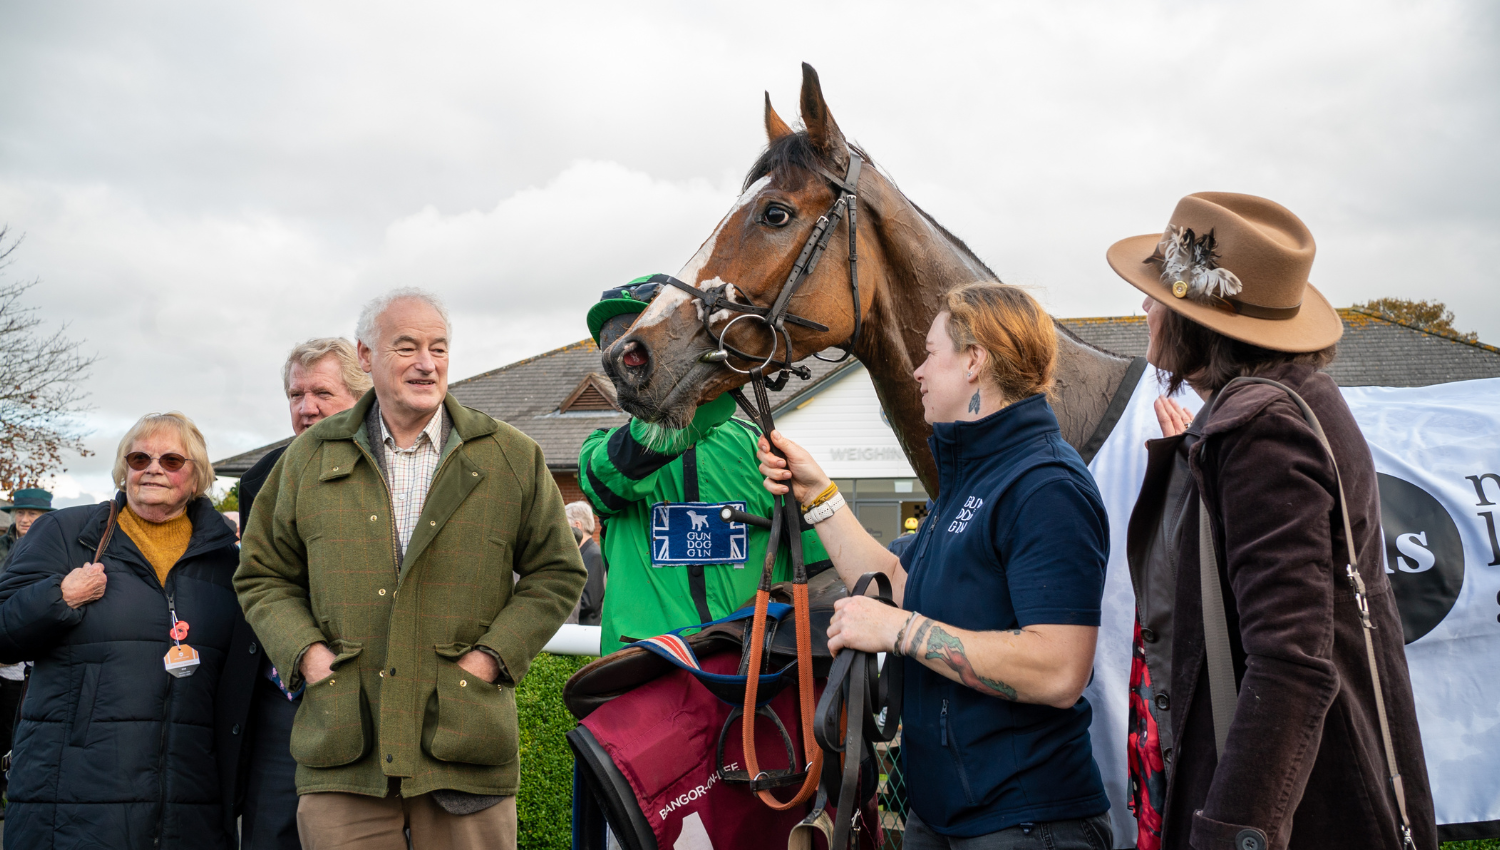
1304,763
318,563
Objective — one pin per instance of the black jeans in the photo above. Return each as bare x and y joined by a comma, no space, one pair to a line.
269,819
1082,834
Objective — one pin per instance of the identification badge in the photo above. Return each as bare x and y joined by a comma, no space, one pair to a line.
684,533
181,660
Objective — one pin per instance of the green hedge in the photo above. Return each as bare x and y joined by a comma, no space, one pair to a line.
544,805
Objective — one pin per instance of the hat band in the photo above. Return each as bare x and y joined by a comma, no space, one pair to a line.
1255,311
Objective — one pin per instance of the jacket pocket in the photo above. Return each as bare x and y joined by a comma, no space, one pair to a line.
476,720
333,725
83,715
950,742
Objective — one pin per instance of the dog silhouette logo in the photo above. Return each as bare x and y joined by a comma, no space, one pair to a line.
699,520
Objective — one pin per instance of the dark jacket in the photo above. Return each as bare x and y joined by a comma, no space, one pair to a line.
255,478
111,750
8,541
1304,763
1019,537
591,604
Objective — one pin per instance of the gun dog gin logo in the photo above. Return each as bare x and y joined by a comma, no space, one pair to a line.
965,514
1424,555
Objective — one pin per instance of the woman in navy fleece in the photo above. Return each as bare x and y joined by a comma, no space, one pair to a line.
1000,591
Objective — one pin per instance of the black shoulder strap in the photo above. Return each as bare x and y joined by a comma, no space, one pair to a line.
1117,404
697,581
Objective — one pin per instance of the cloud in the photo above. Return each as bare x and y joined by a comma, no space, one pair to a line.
203,186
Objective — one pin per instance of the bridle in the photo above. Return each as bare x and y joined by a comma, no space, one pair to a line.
777,316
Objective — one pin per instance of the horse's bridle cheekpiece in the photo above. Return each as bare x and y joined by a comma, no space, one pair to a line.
777,316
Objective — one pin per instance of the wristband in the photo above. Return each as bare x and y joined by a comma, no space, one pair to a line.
901,635
824,510
828,493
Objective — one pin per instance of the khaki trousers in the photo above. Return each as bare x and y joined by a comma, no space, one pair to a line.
336,821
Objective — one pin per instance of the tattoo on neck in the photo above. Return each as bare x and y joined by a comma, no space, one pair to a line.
948,649
974,402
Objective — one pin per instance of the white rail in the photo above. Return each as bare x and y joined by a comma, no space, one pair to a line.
572,639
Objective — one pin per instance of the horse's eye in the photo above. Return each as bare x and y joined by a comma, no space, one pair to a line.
776,215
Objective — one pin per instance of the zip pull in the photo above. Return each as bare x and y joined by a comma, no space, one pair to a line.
944,724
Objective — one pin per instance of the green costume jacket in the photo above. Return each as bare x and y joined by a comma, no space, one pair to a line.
623,478
318,563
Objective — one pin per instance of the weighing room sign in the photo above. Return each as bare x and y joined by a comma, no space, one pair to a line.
685,533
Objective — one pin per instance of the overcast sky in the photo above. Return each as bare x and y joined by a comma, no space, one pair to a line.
203,185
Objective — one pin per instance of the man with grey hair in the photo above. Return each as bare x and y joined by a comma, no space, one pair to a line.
378,567
321,377
591,604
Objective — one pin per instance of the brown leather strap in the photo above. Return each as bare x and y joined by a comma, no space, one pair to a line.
1351,571
109,530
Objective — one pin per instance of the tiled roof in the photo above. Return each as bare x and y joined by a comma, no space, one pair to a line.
238,465
1373,352
527,394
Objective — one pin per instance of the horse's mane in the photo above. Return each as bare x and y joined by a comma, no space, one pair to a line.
793,155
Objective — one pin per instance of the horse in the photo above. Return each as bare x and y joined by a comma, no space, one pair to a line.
665,365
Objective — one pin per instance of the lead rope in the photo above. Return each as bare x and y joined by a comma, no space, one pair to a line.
1356,581
783,516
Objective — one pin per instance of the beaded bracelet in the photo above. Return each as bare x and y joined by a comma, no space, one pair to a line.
901,635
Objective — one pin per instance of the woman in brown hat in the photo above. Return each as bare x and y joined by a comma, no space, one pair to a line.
1267,709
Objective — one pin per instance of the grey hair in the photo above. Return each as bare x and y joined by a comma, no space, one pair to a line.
311,353
368,329
581,513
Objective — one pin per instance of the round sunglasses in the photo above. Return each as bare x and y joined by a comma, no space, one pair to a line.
170,461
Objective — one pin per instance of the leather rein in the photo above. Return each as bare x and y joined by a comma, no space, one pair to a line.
858,705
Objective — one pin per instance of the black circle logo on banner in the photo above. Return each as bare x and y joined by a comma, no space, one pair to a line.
1424,555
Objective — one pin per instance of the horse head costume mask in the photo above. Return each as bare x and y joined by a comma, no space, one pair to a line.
821,251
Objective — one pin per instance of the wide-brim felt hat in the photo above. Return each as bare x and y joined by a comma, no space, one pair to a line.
1238,265
616,302
30,499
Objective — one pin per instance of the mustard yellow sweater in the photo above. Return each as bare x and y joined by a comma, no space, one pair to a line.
161,542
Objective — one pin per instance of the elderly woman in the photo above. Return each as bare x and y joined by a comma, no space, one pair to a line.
1001,590
1257,720
115,748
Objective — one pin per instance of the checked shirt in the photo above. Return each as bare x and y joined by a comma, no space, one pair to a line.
410,473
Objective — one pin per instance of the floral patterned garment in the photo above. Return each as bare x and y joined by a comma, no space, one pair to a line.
1148,776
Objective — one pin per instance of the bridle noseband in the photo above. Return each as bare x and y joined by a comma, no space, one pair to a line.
777,316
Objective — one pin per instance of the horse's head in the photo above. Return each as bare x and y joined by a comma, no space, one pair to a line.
663,367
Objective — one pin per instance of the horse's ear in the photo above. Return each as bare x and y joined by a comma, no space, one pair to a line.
775,127
821,129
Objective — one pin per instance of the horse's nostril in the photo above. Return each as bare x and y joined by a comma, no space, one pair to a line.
634,358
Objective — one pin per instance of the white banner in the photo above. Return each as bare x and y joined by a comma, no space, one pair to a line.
1437,451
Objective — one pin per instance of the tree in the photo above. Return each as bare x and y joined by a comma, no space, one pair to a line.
1433,316
41,394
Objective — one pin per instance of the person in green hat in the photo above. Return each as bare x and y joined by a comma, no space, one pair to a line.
673,562
27,505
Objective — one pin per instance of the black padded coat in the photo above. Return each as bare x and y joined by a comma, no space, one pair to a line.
111,751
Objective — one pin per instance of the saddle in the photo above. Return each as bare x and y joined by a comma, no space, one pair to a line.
621,672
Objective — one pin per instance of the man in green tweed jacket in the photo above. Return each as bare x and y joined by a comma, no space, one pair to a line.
377,570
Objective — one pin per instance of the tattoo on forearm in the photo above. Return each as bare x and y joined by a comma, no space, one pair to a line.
974,402
918,637
948,649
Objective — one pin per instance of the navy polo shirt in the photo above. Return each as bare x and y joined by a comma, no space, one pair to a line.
1018,537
